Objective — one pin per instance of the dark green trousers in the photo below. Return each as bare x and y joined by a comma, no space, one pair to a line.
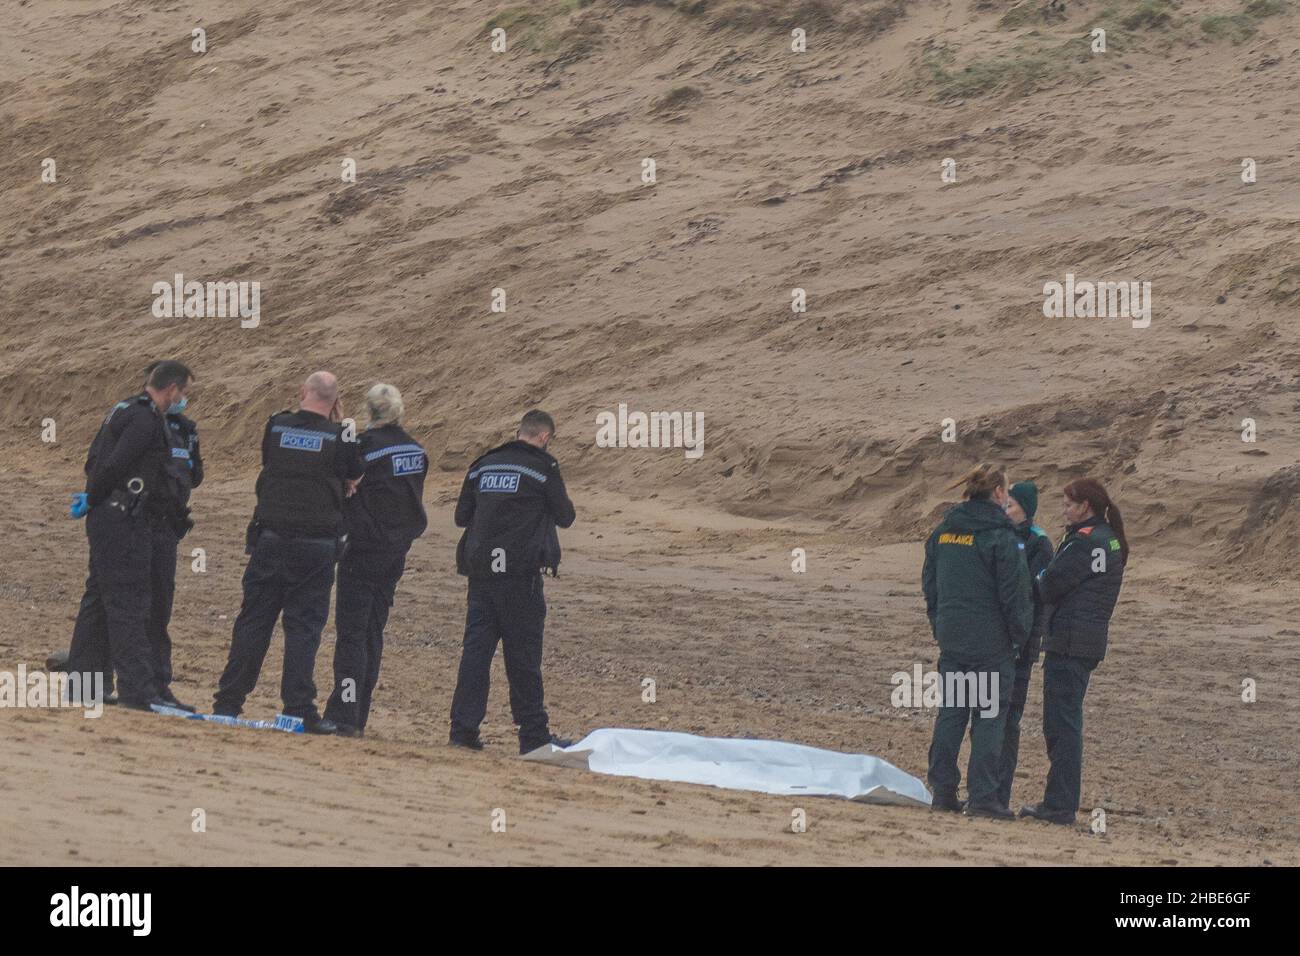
1015,710
1065,681
986,732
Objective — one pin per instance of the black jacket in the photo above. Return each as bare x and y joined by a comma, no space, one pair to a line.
978,593
1082,584
1038,555
132,443
305,460
387,510
510,504
186,464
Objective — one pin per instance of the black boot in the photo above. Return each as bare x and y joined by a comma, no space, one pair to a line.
143,704
947,803
322,726
168,696
989,810
528,746
1040,812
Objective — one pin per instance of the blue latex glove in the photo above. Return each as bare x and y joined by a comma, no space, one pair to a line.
80,505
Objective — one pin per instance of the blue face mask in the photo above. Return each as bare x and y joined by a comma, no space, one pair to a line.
175,408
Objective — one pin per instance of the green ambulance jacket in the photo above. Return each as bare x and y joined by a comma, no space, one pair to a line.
978,593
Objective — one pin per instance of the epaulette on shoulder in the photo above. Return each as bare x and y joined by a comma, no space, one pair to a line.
1087,530
551,461
126,403
1038,531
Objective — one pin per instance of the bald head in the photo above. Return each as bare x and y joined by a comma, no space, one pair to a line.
319,393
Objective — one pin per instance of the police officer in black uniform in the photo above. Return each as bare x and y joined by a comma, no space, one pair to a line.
129,491
308,467
186,467
510,504
383,518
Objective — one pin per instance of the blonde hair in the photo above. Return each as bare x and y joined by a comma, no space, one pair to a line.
981,481
384,403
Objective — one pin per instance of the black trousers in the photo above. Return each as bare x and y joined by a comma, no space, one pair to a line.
111,633
986,732
367,584
285,575
1015,711
162,595
1065,682
511,610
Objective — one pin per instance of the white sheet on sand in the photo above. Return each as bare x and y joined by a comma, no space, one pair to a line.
766,766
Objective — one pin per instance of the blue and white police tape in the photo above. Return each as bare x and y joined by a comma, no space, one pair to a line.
290,725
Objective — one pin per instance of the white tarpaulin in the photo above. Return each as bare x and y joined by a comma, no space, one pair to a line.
767,766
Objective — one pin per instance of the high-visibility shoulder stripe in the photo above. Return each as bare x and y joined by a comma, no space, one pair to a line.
504,467
303,432
395,450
